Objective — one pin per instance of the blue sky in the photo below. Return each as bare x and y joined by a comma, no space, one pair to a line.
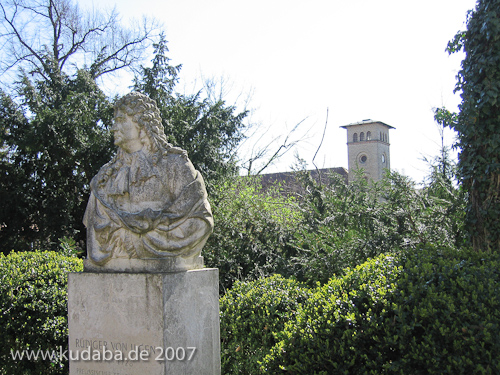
360,59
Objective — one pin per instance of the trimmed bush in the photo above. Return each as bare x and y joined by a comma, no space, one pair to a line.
337,330
33,305
433,311
252,313
446,315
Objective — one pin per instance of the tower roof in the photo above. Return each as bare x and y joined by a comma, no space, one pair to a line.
366,122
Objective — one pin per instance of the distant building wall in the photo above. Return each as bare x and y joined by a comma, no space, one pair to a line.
291,184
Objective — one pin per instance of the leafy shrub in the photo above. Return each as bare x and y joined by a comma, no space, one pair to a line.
33,305
337,330
252,231
346,224
252,313
431,311
329,227
446,314
477,124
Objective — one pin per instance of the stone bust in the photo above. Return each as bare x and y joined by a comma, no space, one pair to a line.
148,202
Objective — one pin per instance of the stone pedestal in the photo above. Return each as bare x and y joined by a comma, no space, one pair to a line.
144,323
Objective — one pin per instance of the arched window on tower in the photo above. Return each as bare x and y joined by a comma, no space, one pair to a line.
355,137
361,137
368,136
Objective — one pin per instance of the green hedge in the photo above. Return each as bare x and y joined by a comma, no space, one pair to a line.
33,306
251,315
430,312
447,315
338,329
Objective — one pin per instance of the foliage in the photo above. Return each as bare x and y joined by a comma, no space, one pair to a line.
431,311
54,123
69,247
478,123
443,167
252,313
447,305
33,306
54,126
345,224
12,180
327,227
209,130
252,231
55,136
56,141
338,321
159,80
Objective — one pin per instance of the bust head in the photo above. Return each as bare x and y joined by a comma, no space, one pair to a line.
138,124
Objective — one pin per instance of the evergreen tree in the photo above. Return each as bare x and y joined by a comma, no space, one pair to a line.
54,123
209,130
54,143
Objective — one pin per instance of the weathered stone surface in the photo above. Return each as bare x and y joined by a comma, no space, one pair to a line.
148,202
174,264
159,315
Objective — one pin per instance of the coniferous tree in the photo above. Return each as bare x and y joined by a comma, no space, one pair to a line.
54,118
54,143
209,130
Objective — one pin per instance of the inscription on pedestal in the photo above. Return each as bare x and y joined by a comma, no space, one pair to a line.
144,324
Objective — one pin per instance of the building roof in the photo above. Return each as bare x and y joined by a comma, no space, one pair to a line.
367,121
292,184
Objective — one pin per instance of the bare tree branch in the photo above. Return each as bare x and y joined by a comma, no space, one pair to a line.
320,143
19,39
283,148
259,152
52,36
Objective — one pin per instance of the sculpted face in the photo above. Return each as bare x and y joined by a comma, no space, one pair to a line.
126,133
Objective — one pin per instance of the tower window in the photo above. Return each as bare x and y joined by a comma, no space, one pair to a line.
361,137
368,136
383,158
355,137
363,159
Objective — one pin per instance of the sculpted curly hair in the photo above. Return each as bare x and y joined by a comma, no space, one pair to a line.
144,112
